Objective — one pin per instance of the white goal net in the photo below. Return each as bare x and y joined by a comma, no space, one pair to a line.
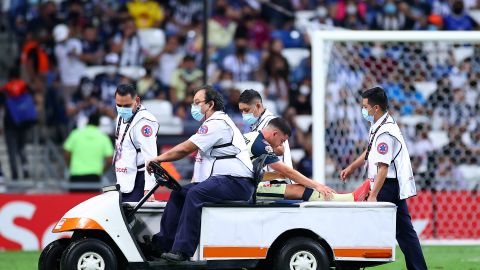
432,81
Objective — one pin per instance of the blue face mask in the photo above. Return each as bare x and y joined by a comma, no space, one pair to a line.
390,8
366,116
196,112
249,118
125,113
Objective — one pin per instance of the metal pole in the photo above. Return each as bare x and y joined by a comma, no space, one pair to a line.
205,41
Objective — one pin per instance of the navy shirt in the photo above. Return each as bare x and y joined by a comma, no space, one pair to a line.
257,146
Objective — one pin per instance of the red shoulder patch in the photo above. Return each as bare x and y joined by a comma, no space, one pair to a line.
203,129
382,148
147,131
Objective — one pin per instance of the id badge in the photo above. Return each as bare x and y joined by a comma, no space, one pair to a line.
118,153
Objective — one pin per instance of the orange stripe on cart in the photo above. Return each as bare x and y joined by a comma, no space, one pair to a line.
78,223
363,252
235,252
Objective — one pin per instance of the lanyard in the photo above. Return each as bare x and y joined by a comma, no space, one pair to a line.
373,136
259,121
126,128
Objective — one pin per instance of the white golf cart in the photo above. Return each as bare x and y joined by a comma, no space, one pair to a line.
234,235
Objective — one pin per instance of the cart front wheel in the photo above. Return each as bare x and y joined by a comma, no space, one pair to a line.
89,254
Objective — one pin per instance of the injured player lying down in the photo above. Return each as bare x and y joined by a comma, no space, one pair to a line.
272,136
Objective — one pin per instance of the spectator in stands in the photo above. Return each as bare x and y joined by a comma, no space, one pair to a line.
128,45
276,15
34,62
390,19
289,35
106,83
305,165
88,153
20,114
83,103
92,49
322,20
302,97
350,14
220,26
169,60
68,51
242,64
459,19
185,79
182,15
258,29
182,109
45,21
147,13
277,73
148,87
231,106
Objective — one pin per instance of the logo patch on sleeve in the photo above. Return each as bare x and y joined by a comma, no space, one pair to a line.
203,129
269,149
147,131
382,148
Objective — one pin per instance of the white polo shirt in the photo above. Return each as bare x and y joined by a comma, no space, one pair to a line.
222,149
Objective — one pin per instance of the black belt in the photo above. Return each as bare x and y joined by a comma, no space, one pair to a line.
140,166
391,179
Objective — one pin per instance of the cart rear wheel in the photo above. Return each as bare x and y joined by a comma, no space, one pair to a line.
88,254
301,253
51,254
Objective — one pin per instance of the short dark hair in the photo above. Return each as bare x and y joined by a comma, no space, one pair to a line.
126,89
94,119
212,95
281,124
376,96
248,96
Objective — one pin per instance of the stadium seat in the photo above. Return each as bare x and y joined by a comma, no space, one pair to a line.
270,105
412,120
471,175
303,122
297,154
438,138
426,88
106,125
462,53
302,19
163,111
132,72
153,38
257,86
92,71
295,56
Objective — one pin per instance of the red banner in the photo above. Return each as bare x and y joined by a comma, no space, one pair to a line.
26,221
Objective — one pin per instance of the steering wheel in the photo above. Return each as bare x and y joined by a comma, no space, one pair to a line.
164,178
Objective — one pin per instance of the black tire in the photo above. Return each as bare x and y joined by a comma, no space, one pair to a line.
51,255
88,250
300,248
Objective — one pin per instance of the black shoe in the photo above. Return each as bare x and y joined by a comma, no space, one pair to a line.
174,256
149,249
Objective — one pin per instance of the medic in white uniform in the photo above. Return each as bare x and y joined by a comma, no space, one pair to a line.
389,170
223,171
135,143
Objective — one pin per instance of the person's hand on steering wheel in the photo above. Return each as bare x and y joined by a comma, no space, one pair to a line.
149,166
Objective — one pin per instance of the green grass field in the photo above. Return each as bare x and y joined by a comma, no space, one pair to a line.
438,257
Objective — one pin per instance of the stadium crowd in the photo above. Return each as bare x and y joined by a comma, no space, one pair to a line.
58,43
